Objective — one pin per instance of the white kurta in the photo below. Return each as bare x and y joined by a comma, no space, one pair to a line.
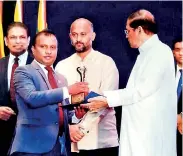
148,126
101,74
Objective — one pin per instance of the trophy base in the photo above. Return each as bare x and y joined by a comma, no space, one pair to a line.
77,98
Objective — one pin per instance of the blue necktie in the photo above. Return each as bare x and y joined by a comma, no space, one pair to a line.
179,87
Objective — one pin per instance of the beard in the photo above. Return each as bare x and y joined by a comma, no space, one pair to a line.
81,49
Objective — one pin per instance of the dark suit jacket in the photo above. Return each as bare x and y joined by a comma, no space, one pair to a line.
179,110
6,127
179,102
37,123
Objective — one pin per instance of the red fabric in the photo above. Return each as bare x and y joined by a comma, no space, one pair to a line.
12,89
53,84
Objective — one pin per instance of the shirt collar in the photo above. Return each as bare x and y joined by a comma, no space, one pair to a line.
42,66
21,57
148,44
88,57
178,68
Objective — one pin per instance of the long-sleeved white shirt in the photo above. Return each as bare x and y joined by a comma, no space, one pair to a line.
149,112
101,74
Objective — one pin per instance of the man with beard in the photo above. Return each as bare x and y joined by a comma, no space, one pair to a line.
101,74
17,40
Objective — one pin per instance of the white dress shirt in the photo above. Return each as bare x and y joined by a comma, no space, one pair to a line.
22,61
101,74
149,112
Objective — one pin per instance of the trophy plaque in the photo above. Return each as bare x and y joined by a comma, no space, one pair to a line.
79,98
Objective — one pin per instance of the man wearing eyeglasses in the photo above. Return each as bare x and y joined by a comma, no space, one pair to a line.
178,52
17,40
149,112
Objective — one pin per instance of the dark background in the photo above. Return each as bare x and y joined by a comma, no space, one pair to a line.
109,20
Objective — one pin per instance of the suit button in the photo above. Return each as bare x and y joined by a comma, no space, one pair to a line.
56,123
56,109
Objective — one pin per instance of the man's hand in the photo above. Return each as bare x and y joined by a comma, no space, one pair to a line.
179,123
95,103
75,133
78,87
79,112
6,113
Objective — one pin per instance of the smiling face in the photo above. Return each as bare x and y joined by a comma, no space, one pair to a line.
17,40
45,49
82,35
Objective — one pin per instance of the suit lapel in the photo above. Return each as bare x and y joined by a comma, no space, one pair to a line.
38,68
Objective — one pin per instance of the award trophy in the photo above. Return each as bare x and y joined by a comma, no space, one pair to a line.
78,98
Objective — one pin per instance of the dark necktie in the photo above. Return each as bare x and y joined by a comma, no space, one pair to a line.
179,87
12,89
53,84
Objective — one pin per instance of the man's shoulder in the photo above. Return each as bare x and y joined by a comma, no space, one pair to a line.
4,60
98,53
27,68
165,50
66,61
162,45
103,56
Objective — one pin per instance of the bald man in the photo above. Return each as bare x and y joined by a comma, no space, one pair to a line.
149,100
101,74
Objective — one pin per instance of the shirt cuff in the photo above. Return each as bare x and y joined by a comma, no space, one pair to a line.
75,119
112,98
65,93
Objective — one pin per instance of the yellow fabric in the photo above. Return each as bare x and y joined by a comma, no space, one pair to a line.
18,12
1,32
41,22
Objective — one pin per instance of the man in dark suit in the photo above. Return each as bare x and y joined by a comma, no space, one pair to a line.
17,40
178,53
39,90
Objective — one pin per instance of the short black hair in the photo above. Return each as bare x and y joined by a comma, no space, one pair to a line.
177,39
46,32
17,24
147,25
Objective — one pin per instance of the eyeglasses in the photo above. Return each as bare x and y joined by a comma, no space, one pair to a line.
128,31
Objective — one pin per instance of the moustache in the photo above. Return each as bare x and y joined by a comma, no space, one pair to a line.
18,45
79,43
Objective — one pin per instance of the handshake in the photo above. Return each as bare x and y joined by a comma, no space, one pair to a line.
80,96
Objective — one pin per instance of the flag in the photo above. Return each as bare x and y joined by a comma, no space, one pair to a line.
1,31
18,16
41,21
